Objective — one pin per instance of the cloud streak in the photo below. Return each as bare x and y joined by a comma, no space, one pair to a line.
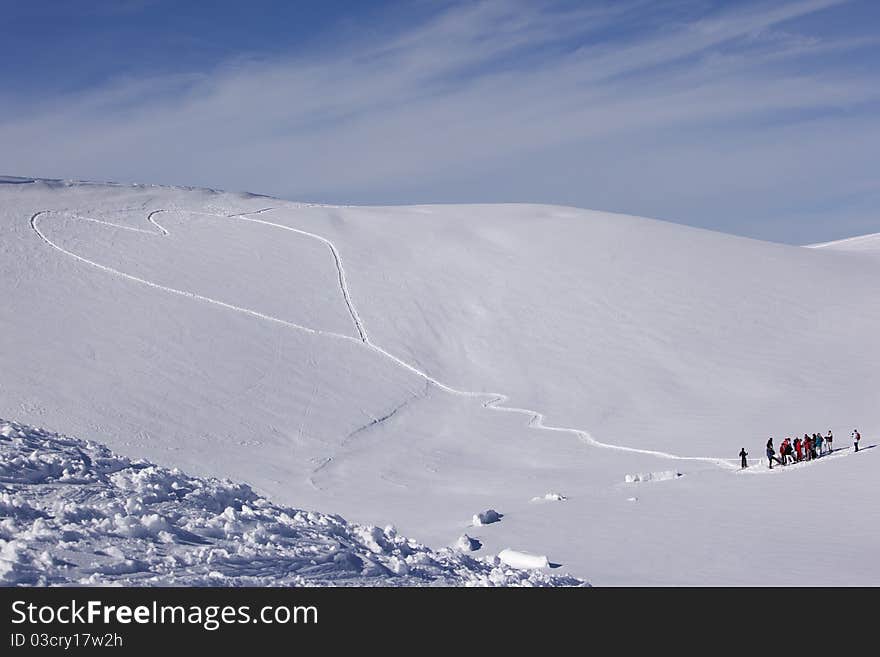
590,107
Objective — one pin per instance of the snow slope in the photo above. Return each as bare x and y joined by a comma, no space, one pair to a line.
76,513
364,361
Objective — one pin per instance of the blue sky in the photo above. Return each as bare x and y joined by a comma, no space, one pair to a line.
756,118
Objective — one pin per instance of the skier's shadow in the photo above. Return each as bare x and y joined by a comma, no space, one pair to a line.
861,449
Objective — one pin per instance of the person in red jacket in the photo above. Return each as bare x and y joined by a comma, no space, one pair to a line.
798,447
808,447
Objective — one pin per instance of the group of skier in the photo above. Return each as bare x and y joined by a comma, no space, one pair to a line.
800,449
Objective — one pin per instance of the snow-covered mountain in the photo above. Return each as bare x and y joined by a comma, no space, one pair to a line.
418,365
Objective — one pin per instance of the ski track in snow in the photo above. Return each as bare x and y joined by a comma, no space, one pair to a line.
495,401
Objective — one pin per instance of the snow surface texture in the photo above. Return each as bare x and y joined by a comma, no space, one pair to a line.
73,512
379,363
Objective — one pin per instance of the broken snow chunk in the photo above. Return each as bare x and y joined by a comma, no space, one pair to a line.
549,497
522,560
373,538
467,544
487,517
666,475
72,512
397,566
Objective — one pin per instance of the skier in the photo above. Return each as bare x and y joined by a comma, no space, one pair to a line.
798,447
743,454
828,440
819,444
856,438
807,446
771,454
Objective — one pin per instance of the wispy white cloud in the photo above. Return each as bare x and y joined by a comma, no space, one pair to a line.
484,88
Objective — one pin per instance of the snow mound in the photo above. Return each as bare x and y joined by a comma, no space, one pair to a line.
523,560
666,475
487,517
74,512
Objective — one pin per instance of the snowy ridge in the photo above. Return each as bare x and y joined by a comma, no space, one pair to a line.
495,401
860,243
73,512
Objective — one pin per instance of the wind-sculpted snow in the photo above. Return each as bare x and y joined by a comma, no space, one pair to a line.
73,512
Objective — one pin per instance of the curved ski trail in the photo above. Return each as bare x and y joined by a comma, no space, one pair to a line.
495,401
